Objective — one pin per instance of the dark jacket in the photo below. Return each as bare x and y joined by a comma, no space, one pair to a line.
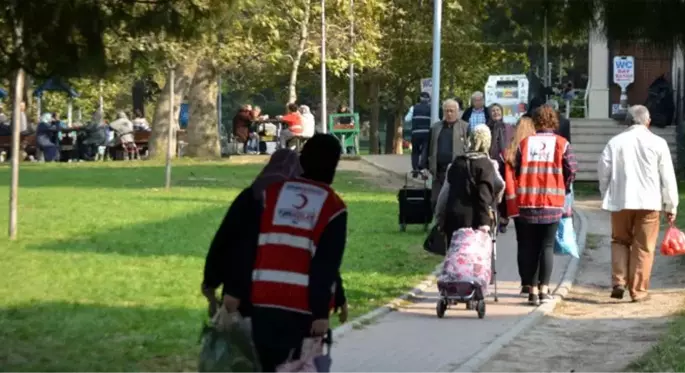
564,128
470,198
232,253
95,134
241,125
502,135
467,114
46,135
421,118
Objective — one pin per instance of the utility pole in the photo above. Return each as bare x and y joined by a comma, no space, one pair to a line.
437,36
351,55
16,131
324,114
170,134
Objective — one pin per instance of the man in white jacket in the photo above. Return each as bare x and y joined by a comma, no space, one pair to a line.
637,182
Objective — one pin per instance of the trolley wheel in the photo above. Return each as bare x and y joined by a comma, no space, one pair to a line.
440,308
403,227
480,308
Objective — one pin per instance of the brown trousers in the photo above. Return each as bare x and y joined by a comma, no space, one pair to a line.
633,242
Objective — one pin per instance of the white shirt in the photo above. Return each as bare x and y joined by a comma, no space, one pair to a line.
308,125
635,172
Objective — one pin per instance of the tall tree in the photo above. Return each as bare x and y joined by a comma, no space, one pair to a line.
76,29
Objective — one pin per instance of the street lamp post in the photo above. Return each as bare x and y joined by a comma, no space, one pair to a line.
324,114
437,31
351,55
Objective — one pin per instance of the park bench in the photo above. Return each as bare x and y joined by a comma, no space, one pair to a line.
27,144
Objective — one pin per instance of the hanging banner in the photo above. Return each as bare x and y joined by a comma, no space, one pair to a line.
427,85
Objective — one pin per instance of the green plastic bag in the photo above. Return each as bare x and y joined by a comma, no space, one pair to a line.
227,345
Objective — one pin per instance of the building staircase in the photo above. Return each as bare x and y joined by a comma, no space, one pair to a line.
590,136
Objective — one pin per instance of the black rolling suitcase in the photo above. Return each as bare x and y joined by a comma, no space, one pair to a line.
415,205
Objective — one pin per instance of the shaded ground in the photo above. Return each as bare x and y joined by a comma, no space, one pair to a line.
589,331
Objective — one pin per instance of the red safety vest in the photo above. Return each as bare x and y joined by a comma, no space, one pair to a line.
296,212
294,122
541,179
510,191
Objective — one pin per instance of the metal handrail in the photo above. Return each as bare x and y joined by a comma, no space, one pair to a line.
586,99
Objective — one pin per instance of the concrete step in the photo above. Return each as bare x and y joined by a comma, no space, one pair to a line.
602,139
586,176
585,147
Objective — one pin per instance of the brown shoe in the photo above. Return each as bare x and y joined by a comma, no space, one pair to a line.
617,292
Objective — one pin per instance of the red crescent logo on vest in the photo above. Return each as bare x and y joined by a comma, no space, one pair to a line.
544,146
304,202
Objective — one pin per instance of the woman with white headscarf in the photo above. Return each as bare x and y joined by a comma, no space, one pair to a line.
472,188
308,122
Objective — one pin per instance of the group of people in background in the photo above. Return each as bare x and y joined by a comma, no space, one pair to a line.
51,132
473,156
486,173
250,125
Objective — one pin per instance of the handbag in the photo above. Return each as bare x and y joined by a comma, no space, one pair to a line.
312,356
436,242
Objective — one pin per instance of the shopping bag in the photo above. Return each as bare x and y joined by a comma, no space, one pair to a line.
468,259
311,349
435,243
674,242
565,241
227,345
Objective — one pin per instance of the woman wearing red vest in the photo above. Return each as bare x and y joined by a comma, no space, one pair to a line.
231,252
302,234
524,128
545,169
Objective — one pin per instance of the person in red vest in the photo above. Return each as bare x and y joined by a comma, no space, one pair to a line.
524,128
302,234
232,250
545,168
294,122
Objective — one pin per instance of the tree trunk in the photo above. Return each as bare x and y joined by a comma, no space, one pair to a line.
301,45
160,123
374,137
203,127
390,133
399,139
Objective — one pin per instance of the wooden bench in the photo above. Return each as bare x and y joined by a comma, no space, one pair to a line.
27,143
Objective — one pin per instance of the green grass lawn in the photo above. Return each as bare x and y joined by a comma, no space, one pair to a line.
106,273
669,354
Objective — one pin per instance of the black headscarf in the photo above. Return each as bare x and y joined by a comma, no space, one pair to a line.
535,103
319,158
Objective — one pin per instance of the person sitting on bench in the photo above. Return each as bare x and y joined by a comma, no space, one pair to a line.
294,122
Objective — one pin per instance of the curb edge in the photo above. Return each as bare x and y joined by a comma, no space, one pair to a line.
474,363
418,289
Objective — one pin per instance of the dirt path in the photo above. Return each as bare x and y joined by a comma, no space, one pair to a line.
589,331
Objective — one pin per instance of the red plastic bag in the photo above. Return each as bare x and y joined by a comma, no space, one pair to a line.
673,243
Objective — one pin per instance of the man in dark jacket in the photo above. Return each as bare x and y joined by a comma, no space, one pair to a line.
420,125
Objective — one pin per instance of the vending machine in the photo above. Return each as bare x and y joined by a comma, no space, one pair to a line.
511,92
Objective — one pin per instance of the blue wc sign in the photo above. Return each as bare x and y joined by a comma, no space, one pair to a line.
624,75
624,71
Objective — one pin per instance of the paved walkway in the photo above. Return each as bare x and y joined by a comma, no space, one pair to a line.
413,339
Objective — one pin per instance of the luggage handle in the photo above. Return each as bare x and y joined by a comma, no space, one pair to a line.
406,179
